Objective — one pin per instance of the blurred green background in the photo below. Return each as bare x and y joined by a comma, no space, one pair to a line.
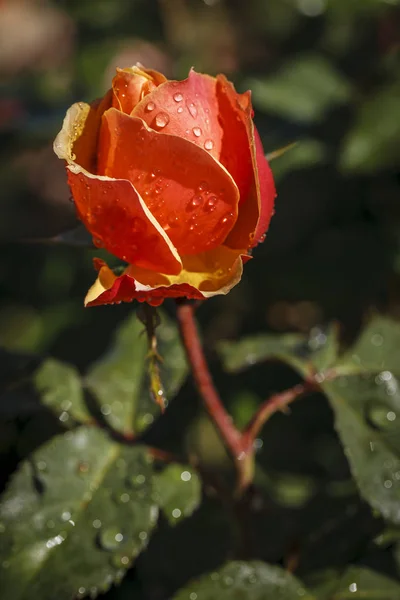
324,73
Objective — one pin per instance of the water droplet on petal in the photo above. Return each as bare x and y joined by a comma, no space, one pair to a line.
180,110
150,106
173,220
162,119
211,204
196,131
208,144
195,202
178,97
226,218
193,110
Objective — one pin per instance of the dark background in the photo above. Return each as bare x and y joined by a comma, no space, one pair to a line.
324,73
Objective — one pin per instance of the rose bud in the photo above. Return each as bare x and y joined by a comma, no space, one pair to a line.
170,177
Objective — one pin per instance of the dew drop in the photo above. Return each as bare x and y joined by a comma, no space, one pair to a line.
186,476
178,97
193,110
173,220
262,238
211,204
208,144
226,218
162,119
196,131
180,110
158,190
110,539
195,202
203,186
150,106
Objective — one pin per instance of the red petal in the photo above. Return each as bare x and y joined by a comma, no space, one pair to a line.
266,190
119,221
192,197
187,109
238,155
131,85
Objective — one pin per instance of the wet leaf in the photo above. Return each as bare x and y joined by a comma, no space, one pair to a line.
249,351
367,421
177,492
60,389
119,380
245,580
75,516
355,582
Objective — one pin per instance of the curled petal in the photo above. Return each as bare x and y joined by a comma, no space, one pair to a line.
187,109
77,140
112,210
203,276
131,85
191,195
242,164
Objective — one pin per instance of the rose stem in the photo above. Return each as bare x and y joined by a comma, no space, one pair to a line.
230,435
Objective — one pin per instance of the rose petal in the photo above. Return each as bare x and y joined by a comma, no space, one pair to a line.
191,195
112,210
132,84
77,140
236,119
187,109
267,191
203,276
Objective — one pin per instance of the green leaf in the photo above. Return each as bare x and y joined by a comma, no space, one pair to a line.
356,582
249,351
60,389
75,516
318,351
119,380
245,581
177,491
367,421
303,90
373,141
377,348
174,367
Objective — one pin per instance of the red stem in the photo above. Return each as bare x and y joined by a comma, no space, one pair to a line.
205,385
269,407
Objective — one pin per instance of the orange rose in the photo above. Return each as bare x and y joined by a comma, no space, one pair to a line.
169,176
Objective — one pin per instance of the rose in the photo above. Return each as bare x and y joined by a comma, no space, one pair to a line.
169,176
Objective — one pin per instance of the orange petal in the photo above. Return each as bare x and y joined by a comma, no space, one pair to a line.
132,84
187,109
112,210
238,155
203,276
189,193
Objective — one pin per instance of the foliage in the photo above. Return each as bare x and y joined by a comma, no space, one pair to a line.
102,495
